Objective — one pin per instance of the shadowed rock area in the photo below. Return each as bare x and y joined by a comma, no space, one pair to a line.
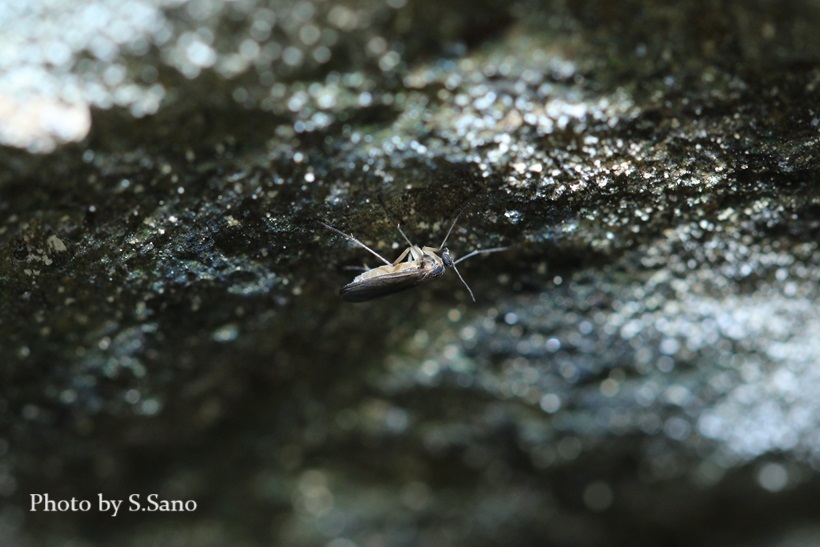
639,368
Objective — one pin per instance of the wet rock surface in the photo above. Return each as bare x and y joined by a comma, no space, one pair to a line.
639,368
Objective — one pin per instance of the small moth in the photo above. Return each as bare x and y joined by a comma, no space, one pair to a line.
423,264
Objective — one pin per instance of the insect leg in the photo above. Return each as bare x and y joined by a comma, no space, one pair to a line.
453,225
478,252
398,227
356,241
402,256
414,250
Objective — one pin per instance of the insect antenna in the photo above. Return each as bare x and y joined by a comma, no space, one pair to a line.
480,251
465,283
356,241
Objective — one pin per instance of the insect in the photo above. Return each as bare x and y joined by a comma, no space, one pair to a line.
423,264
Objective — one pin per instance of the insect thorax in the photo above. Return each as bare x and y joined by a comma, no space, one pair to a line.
432,265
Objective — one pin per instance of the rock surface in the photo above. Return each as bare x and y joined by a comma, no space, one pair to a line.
640,368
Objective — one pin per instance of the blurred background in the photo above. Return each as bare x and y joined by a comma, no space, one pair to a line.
640,368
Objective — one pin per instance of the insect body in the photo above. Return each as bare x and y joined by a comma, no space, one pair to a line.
422,264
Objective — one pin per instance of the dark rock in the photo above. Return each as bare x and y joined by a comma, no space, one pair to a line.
640,368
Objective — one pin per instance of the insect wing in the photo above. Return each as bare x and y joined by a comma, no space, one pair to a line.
382,285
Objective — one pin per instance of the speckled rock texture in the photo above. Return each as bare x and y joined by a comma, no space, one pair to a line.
639,368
